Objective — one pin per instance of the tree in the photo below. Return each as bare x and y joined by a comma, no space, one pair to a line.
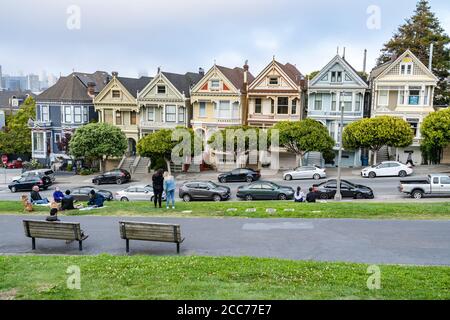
374,133
160,144
16,136
244,140
435,132
417,33
98,141
300,137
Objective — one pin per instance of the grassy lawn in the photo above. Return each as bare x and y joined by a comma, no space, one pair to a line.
145,277
284,209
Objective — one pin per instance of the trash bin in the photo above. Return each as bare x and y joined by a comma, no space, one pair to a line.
364,160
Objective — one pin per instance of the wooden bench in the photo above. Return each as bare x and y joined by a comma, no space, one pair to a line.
68,231
144,231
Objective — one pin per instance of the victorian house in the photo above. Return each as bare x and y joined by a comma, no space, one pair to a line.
117,104
60,110
217,99
276,94
403,87
164,103
337,85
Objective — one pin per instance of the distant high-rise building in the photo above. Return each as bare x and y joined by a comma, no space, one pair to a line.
33,83
1,78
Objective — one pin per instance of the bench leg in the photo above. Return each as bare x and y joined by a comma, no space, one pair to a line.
33,243
178,247
127,245
80,245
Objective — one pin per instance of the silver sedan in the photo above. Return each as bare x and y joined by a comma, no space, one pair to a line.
305,172
136,193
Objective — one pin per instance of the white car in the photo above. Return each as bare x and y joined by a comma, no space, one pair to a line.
305,172
387,169
136,193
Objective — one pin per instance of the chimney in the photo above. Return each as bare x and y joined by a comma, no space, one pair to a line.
115,74
201,71
159,70
244,98
430,61
343,54
365,61
91,88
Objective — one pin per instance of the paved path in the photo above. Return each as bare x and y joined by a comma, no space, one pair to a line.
368,241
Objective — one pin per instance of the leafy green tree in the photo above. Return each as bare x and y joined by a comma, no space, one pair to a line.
435,132
417,33
98,141
161,144
374,133
301,137
16,136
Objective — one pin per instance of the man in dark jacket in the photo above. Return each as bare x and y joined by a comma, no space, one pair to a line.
311,196
53,215
36,197
96,199
67,202
158,186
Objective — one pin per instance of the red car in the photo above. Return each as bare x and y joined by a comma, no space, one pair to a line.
15,164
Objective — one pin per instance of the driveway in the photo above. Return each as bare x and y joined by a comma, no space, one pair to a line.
351,240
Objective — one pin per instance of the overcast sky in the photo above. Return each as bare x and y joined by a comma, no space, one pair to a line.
136,36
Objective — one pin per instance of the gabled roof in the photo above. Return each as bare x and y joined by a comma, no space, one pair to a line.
5,95
183,82
292,72
134,85
347,66
74,87
236,76
376,71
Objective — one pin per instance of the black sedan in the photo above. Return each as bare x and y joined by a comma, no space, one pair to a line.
327,190
27,183
265,190
239,175
203,190
117,176
82,193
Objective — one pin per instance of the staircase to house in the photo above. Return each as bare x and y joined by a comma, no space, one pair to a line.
127,163
313,158
141,167
176,167
383,154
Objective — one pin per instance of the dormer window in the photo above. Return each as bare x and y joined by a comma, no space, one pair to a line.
406,68
116,94
273,81
215,84
336,76
161,89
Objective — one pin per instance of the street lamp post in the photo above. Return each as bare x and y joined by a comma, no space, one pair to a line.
338,195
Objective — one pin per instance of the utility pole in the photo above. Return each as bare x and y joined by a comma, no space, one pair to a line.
338,195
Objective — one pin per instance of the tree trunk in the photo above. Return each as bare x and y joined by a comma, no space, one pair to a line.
374,157
300,159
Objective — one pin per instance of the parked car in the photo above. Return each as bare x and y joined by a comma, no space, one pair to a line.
27,183
203,190
265,190
386,169
305,172
137,193
434,184
45,174
327,190
117,176
82,193
15,164
239,175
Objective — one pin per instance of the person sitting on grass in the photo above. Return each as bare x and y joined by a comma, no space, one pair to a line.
67,202
58,195
299,196
96,200
53,215
311,196
36,197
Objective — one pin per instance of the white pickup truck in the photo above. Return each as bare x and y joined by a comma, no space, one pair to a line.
435,184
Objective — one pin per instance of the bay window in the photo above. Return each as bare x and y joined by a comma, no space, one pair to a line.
224,109
358,102
414,96
67,114
258,105
333,102
347,99
383,97
77,114
151,114
283,105
171,113
294,107
38,142
45,114
318,102
202,109
180,114
85,114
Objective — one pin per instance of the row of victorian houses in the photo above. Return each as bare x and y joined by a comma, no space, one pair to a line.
224,97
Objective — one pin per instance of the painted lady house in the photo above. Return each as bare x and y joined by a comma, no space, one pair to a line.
403,87
336,83
61,109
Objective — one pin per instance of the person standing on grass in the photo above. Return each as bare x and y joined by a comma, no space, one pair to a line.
158,187
299,195
169,187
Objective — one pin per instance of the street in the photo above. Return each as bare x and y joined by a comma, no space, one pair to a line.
385,188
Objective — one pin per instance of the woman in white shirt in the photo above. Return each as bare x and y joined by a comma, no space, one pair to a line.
299,195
